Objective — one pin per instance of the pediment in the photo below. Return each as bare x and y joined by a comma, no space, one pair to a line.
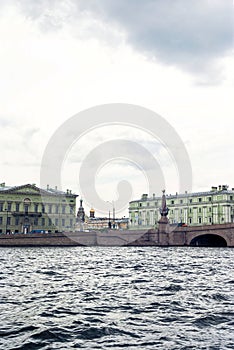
25,189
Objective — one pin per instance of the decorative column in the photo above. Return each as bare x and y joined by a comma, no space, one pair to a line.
80,217
163,227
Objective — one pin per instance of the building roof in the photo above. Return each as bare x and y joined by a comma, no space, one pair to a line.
47,191
186,195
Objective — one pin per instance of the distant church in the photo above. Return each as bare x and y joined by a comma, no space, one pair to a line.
90,223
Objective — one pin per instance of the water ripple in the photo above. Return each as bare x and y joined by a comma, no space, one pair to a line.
113,298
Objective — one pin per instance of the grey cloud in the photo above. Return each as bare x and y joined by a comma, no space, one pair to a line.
29,133
5,122
191,34
188,33
50,15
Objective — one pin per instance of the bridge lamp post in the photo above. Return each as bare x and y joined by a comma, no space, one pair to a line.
113,208
109,223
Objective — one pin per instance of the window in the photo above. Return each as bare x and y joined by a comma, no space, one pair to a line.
42,208
190,210
43,221
71,209
209,199
199,220
231,197
16,221
140,204
36,208
199,210
199,199
26,209
17,206
71,222
0,220
49,208
9,206
8,220
172,202
63,209
210,209
63,222
1,206
56,222
36,221
56,209
50,222
181,201
190,220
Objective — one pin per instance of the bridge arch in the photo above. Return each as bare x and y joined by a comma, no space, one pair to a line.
208,240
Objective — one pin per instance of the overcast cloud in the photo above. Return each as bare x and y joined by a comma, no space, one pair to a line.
189,34
59,57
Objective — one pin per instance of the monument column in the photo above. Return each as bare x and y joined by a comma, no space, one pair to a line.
163,227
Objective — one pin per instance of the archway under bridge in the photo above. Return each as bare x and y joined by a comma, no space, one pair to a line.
208,240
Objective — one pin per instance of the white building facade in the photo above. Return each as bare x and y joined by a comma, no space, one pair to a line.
201,208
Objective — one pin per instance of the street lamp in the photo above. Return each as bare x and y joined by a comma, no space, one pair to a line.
113,206
109,223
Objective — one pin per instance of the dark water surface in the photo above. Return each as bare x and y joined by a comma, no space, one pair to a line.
116,298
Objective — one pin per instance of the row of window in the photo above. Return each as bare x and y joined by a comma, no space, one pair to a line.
37,221
190,221
191,210
199,200
173,211
50,208
185,201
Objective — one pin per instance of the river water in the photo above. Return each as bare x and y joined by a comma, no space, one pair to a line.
117,298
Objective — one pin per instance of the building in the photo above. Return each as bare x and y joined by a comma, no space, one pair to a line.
101,223
201,208
98,223
28,208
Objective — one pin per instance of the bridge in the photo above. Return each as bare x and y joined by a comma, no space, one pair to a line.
219,235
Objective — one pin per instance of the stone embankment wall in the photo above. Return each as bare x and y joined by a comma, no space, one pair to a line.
81,238
38,239
166,235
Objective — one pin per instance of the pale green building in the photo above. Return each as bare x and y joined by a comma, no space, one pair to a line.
28,208
201,208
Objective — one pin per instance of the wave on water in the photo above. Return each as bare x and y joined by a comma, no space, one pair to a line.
113,298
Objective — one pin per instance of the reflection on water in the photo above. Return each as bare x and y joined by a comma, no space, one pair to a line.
102,298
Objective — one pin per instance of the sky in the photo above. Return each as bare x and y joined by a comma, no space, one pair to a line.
173,57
